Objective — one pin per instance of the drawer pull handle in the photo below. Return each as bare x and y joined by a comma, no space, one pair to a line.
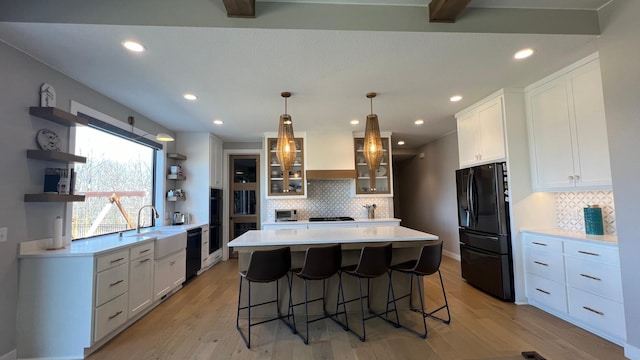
145,260
593,310
543,291
590,277
588,253
539,243
116,260
172,263
144,251
116,283
541,263
115,315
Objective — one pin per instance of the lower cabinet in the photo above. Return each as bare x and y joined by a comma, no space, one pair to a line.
140,274
578,281
170,273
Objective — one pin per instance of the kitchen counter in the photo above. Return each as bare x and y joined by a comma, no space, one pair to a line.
575,235
96,245
355,221
284,237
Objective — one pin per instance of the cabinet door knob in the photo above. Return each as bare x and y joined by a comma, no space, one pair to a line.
570,177
577,177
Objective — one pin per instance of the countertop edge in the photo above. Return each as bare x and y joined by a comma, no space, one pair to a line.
609,240
273,222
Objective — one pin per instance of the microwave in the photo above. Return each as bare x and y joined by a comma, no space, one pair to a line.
287,215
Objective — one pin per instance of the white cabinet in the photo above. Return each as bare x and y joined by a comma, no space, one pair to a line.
567,129
140,278
112,284
216,158
170,273
204,253
578,281
481,132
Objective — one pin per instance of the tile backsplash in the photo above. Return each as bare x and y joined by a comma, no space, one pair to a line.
331,198
570,205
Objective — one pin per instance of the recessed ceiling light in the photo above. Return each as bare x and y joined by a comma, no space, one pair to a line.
401,142
419,122
218,122
133,46
355,122
523,54
455,98
190,97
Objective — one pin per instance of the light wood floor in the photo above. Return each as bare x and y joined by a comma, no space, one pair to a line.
198,322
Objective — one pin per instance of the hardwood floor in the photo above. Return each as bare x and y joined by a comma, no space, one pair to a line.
198,322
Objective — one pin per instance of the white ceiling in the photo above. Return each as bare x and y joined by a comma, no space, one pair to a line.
238,73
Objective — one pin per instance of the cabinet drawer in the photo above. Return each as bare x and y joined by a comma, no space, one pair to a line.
600,313
543,242
111,283
108,261
546,292
109,316
594,277
142,250
604,254
545,264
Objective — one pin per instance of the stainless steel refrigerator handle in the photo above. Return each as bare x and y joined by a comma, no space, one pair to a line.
470,196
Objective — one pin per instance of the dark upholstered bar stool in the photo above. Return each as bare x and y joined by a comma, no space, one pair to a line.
320,263
427,264
265,267
374,262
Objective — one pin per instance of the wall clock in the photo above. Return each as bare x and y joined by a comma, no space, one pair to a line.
48,140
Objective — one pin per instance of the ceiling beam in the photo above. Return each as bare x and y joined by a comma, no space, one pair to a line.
240,8
446,10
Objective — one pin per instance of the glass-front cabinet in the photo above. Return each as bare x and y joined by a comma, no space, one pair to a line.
285,183
382,183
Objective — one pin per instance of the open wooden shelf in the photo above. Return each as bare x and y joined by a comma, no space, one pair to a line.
176,156
56,156
57,115
52,198
176,177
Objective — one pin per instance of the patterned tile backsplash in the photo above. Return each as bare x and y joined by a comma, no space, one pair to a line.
570,205
331,198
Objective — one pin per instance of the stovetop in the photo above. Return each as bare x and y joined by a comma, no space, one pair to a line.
332,218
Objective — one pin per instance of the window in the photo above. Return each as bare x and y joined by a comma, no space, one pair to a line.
117,180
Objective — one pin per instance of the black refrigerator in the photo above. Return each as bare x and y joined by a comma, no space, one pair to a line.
483,219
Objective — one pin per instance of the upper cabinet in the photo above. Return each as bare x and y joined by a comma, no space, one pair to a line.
383,176
481,133
567,129
285,183
217,160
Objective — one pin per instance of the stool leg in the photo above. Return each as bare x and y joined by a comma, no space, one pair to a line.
290,313
395,307
345,326
306,312
419,280
364,330
249,315
247,340
446,305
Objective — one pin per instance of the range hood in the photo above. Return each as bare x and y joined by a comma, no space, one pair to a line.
330,174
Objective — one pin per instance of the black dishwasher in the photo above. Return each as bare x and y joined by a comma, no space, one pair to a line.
194,252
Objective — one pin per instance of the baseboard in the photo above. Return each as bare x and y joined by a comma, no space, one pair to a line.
631,352
11,355
450,254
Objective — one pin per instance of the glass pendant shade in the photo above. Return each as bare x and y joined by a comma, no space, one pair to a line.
286,144
372,149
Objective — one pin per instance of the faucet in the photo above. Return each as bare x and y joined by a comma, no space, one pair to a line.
155,213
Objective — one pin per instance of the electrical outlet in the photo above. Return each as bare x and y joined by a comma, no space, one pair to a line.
3,234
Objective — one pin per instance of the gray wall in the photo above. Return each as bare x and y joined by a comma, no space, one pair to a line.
427,191
20,79
620,63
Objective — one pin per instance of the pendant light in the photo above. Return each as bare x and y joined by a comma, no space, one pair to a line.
286,145
372,149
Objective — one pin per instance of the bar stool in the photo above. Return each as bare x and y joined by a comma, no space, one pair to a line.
320,263
374,262
427,264
265,267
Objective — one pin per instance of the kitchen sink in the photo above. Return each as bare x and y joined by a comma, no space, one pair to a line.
168,241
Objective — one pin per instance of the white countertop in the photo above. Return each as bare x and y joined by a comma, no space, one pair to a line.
96,245
329,236
575,235
272,222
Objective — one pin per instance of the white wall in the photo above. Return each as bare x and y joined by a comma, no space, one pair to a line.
620,64
426,188
21,77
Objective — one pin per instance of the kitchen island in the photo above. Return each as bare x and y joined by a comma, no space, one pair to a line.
406,246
